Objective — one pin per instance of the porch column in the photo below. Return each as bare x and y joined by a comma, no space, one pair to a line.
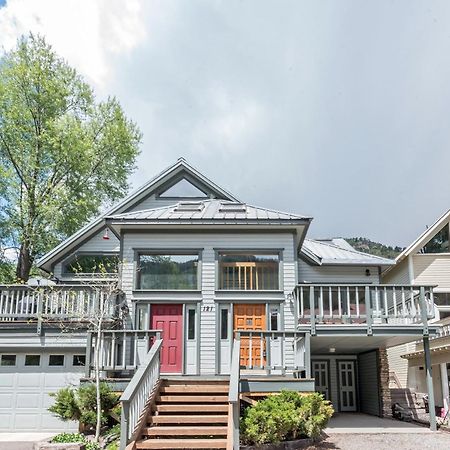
445,390
431,404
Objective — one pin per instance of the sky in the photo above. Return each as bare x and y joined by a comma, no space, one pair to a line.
339,110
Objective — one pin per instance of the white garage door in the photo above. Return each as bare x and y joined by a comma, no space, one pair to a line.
26,379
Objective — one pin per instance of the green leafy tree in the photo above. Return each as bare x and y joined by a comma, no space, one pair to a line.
62,154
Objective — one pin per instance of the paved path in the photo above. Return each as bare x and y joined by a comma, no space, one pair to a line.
21,441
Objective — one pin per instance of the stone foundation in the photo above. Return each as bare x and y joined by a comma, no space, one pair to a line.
383,376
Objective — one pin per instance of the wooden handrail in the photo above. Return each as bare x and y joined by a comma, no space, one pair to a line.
137,393
233,397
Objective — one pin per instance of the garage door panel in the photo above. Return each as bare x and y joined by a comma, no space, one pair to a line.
29,380
7,380
5,422
28,400
56,380
26,421
6,400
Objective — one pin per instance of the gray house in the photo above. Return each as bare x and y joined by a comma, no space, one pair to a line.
217,302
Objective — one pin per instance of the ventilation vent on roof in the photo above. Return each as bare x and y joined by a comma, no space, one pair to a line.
190,206
232,207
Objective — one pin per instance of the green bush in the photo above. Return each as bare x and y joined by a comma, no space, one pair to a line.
80,404
65,438
283,417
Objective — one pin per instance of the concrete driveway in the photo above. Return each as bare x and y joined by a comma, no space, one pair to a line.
353,431
21,441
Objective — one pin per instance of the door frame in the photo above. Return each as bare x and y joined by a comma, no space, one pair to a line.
355,376
328,370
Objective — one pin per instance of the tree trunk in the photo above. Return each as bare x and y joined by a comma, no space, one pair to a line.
97,382
24,262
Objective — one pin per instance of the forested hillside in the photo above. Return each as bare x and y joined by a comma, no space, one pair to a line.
374,248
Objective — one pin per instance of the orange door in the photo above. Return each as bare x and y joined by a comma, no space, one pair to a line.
251,317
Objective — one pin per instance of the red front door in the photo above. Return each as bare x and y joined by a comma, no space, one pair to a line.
169,319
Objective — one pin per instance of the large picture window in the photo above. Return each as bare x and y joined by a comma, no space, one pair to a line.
82,264
439,243
249,271
168,271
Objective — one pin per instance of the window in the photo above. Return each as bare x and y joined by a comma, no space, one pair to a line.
56,360
89,264
79,360
32,360
191,323
224,324
232,207
439,243
189,207
183,189
168,271
7,360
248,271
274,320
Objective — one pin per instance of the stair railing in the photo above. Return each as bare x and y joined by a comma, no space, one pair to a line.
138,393
233,397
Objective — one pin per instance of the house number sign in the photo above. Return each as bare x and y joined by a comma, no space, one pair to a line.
208,308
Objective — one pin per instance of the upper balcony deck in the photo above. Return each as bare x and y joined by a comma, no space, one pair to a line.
365,309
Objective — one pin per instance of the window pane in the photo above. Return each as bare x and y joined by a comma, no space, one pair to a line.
168,272
79,360
439,243
8,360
92,264
274,320
56,360
191,324
32,360
248,271
223,324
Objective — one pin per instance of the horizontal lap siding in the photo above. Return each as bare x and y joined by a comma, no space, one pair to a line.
432,269
150,203
369,398
398,274
209,242
321,274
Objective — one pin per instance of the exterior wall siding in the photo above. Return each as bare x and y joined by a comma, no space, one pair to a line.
209,243
398,274
432,269
152,202
368,385
344,274
95,244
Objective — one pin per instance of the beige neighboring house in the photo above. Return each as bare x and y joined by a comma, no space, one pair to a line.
425,261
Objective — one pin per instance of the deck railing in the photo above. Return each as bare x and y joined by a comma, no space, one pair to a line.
52,303
119,349
248,276
364,304
136,396
273,351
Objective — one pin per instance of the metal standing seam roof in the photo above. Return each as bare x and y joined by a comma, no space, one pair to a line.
326,252
209,210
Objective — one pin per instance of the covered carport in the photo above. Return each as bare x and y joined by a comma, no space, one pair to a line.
351,367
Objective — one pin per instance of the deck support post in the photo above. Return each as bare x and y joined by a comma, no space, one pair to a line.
307,355
87,367
445,389
431,404
312,310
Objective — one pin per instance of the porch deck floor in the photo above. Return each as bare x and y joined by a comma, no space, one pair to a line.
357,423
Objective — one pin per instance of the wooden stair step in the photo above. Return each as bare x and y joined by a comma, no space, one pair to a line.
182,443
186,431
188,408
195,388
193,399
196,419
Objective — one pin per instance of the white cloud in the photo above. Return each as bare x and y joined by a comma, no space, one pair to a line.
90,34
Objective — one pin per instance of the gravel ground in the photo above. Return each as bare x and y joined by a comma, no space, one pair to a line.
431,441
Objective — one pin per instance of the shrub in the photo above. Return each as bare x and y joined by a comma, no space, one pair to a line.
75,437
80,404
289,415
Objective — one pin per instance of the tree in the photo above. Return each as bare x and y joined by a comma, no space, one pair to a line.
62,154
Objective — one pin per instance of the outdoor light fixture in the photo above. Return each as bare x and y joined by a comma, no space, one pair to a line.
367,272
106,235
332,350
290,298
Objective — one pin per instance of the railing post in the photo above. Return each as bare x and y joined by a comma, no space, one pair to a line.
368,311
312,310
124,415
423,310
87,368
40,304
